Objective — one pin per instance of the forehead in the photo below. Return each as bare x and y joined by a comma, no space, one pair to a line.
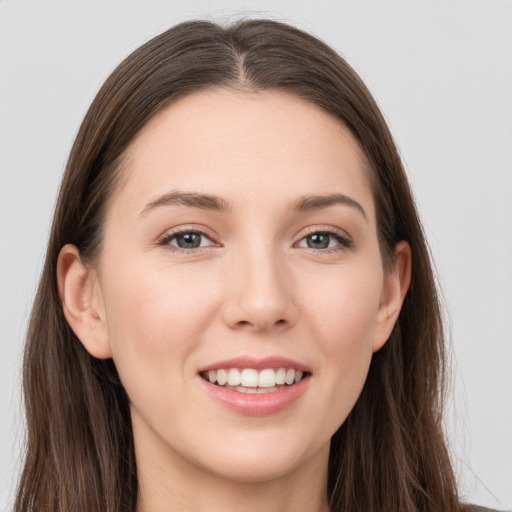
236,144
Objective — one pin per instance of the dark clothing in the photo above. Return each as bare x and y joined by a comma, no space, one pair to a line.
476,508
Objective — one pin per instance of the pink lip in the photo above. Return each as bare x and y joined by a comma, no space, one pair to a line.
258,364
256,404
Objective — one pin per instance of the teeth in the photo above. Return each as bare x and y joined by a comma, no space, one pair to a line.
243,389
250,380
233,377
267,379
222,377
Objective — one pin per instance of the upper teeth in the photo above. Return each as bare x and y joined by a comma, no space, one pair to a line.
251,378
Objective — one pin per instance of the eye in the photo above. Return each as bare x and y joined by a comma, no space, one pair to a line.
321,240
186,240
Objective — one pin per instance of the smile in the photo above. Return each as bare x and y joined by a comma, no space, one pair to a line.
250,380
256,387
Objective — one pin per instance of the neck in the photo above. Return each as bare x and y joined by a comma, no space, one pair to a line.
180,485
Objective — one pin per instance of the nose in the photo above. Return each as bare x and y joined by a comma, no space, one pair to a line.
260,293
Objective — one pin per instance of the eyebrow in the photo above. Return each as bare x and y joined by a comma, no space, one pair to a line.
195,200
319,202
216,203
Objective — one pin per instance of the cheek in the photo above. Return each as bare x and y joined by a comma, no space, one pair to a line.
343,318
155,318
345,308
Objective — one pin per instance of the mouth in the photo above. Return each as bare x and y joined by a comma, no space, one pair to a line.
256,387
253,381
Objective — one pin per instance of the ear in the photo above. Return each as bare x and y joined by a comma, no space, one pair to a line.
396,284
82,302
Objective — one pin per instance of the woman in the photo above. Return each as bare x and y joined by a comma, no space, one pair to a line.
237,309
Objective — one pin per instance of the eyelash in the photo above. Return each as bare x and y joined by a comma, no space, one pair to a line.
165,241
344,243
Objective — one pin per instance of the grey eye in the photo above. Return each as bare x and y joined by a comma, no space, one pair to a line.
321,240
188,240
318,240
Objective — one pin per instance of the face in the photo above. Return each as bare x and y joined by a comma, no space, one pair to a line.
241,245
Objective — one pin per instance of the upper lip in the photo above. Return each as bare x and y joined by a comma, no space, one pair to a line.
256,363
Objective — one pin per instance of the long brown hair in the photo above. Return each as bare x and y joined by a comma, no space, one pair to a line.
389,455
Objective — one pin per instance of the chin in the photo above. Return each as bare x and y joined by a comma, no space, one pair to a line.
258,460
257,470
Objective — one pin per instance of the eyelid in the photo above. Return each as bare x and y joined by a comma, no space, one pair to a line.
163,240
345,240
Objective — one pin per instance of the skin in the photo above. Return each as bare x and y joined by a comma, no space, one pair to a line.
253,288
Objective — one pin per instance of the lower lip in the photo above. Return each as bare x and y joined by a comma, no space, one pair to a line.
261,404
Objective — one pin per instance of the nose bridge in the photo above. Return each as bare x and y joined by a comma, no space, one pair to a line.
261,291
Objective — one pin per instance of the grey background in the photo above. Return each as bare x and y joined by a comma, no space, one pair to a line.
442,73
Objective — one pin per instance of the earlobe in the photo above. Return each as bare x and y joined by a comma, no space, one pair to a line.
82,302
396,285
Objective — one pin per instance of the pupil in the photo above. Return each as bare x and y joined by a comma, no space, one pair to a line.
189,241
318,241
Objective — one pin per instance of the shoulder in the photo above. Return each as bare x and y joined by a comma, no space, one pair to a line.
476,508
